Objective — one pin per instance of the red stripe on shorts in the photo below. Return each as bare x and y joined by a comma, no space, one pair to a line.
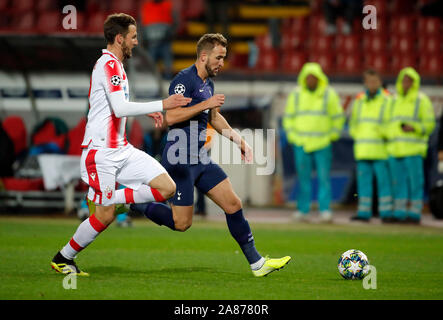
129,195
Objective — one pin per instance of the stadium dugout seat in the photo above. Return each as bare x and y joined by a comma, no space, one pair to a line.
349,64
375,44
403,25
46,5
95,22
297,25
4,5
402,6
24,22
317,25
430,44
136,134
378,62
23,5
326,61
429,26
380,5
431,65
16,130
348,43
293,61
264,42
316,6
75,138
49,22
128,6
403,60
290,41
268,60
196,10
238,60
403,44
321,44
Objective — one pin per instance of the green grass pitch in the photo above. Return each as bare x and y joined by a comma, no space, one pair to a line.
151,262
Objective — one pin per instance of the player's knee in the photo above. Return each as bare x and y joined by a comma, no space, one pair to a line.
234,204
105,214
182,224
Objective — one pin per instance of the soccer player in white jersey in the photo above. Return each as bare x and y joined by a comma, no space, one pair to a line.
107,156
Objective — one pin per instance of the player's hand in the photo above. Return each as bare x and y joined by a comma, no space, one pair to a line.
216,101
246,152
158,119
175,101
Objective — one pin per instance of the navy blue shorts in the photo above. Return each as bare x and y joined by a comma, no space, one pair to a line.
203,176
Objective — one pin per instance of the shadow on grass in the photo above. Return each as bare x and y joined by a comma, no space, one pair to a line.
174,271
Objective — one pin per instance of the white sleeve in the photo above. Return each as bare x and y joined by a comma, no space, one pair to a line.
123,108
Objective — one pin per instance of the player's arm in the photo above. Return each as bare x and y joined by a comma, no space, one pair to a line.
219,123
182,114
121,107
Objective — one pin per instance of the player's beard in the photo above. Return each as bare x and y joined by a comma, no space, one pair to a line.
127,52
209,71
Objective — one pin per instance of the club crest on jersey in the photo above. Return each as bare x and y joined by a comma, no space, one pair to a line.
116,80
108,192
179,89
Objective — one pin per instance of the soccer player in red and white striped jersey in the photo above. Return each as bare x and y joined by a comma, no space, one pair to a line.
107,156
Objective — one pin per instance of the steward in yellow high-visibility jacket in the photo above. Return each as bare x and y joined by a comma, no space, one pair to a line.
313,119
411,122
367,126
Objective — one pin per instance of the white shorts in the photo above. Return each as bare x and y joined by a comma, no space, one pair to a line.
101,168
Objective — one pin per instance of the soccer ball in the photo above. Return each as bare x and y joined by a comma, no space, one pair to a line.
353,264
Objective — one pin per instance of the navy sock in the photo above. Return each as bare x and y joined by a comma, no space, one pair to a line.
241,232
157,212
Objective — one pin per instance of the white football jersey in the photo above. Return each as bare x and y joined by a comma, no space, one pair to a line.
103,128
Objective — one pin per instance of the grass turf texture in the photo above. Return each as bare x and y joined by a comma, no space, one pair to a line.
151,262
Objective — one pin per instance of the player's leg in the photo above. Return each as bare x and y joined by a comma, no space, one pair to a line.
145,178
101,178
224,196
214,182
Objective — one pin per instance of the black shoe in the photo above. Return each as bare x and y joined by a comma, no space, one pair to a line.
358,218
66,266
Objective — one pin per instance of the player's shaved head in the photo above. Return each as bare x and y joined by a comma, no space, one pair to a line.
117,23
208,41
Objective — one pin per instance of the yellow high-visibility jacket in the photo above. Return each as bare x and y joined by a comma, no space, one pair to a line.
313,119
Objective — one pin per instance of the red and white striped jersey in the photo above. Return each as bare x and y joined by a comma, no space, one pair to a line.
103,128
